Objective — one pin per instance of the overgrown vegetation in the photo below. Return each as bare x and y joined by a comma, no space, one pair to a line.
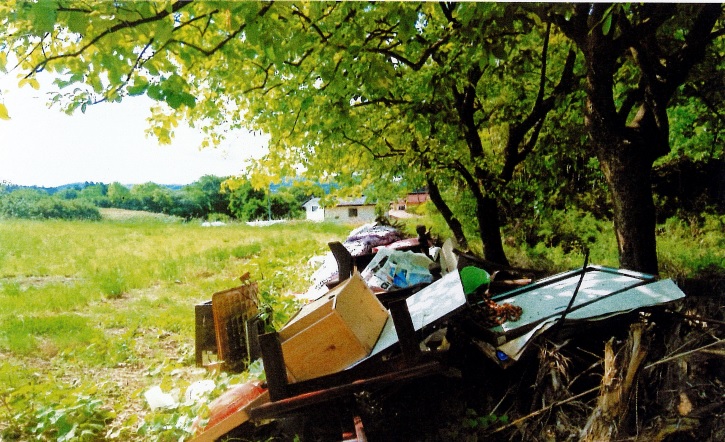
35,204
96,313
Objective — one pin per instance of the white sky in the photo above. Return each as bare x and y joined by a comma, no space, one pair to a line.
46,147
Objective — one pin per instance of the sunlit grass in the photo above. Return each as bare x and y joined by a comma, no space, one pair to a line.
688,247
156,269
84,302
25,334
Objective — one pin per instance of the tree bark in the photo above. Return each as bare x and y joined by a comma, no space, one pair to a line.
628,176
489,224
447,213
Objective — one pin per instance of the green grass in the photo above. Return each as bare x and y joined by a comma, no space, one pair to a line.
112,303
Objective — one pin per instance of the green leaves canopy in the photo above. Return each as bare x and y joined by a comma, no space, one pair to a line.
362,93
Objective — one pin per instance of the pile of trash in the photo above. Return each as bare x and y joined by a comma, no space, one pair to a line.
458,323
364,244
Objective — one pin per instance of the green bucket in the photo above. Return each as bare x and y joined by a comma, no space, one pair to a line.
473,278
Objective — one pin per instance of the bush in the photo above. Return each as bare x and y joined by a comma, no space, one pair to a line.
34,204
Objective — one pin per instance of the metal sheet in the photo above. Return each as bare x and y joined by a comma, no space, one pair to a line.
604,293
599,294
429,305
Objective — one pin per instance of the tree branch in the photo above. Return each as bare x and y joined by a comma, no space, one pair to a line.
175,7
415,65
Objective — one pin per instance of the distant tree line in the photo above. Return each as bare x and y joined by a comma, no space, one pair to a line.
208,198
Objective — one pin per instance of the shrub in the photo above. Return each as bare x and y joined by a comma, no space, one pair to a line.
33,204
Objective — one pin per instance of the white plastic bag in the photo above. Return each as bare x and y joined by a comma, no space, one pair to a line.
395,269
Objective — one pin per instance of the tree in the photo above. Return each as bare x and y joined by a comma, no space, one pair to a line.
152,197
119,195
208,194
637,57
411,86
95,194
453,95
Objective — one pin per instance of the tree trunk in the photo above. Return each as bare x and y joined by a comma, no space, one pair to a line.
625,154
489,225
447,213
627,150
628,170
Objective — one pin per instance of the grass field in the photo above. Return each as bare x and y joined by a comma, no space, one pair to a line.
93,314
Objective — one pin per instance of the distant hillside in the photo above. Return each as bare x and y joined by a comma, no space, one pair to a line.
79,187
286,182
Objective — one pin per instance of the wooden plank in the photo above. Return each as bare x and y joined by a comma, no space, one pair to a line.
274,366
232,421
409,343
298,403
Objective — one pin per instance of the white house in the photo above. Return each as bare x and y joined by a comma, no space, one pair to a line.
346,211
314,211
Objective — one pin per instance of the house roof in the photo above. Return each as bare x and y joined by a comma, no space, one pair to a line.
416,198
361,201
312,202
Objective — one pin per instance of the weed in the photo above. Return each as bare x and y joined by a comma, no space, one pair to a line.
112,282
247,250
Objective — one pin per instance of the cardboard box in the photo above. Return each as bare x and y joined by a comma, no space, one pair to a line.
333,332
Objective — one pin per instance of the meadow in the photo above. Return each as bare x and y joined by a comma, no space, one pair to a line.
95,313
92,314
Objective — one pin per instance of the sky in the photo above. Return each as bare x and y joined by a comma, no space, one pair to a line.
45,147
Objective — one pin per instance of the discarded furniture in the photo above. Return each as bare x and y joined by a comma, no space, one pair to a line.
332,332
395,357
228,325
236,324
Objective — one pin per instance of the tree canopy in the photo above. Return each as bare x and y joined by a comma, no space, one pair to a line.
454,96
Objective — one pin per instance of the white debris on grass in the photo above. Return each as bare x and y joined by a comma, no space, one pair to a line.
213,224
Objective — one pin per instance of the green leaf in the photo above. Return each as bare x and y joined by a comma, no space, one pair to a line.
178,99
4,115
77,23
139,88
607,25
43,15
155,92
306,103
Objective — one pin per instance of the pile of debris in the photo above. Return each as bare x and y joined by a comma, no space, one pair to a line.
402,340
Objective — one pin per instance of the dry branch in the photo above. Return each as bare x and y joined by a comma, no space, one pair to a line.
617,386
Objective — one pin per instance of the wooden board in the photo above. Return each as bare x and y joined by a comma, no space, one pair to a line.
232,421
